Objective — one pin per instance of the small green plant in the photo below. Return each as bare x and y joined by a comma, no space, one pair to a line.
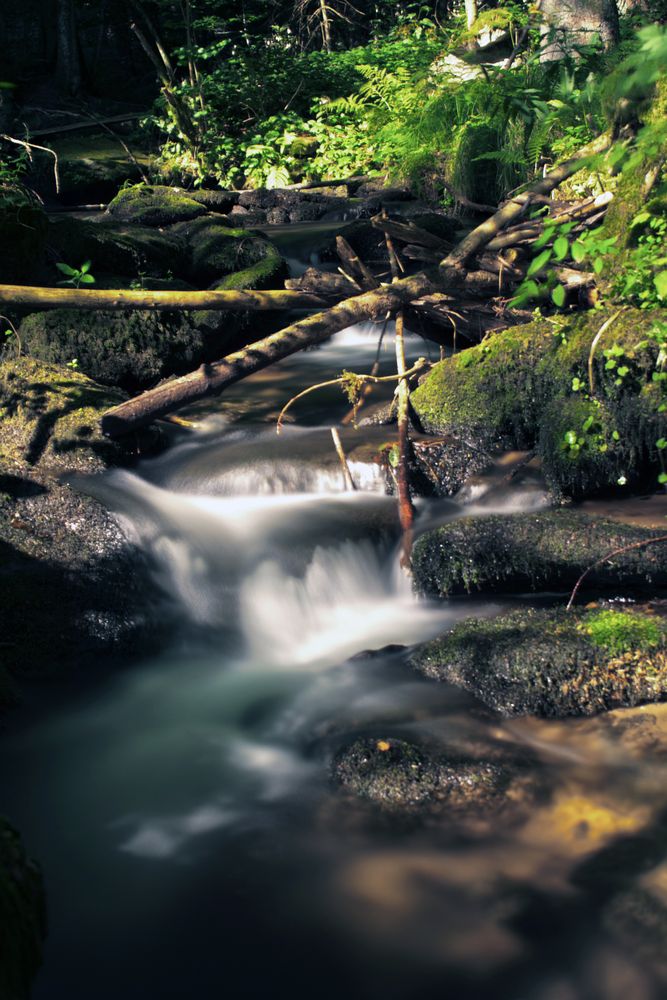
76,276
73,364
621,631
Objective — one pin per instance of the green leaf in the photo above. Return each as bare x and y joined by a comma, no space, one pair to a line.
662,478
598,265
558,296
623,371
85,267
87,279
561,247
578,251
588,423
570,437
661,443
616,436
576,384
544,238
539,262
660,282
66,269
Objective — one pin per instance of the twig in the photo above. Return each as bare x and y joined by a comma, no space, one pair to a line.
406,511
351,415
610,555
45,149
347,475
596,340
418,365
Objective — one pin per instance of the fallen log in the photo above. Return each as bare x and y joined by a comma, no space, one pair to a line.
118,300
360,272
210,379
408,232
515,208
325,284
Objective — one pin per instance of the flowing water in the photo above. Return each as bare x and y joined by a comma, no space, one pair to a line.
192,841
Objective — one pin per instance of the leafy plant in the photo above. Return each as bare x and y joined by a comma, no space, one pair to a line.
76,276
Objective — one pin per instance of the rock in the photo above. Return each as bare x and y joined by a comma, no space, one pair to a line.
515,391
399,776
22,916
154,205
443,465
543,550
92,168
49,419
216,250
23,230
378,189
132,250
72,588
554,663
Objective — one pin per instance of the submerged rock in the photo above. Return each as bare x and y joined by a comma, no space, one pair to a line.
22,916
544,550
554,663
399,776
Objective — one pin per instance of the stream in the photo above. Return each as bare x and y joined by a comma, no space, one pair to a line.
192,841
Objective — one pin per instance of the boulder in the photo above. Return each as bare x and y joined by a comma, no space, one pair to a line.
547,550
554,663
399,776
155,205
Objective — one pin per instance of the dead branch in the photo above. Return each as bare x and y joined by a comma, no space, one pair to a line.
610,555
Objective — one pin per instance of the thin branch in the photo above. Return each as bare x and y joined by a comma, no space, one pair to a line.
45,149
610,555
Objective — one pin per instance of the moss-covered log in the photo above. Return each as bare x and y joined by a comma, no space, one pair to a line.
554,663
121,300
550,550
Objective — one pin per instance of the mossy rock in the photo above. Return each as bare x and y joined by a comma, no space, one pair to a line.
130,250
49,418
154,205
128,349
22,916
399,776
515,390
543,551
216,250
23,229
91,168
554,663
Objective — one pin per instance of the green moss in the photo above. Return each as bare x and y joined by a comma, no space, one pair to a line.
266,273
154,205
622,631
49,417
515,390
546,663
22,916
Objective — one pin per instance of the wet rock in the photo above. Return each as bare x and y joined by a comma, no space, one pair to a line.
22,916
72,588
445,464
400,776
544,550
515,391
378,189
154,205
554,663
92,168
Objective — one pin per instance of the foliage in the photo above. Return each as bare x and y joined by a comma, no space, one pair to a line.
76,276
621,631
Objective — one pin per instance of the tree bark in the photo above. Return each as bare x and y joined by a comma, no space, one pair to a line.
114,300
471,12
571,24
68,65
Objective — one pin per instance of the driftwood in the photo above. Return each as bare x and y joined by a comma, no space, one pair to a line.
212,378
118,300
326,284
408,232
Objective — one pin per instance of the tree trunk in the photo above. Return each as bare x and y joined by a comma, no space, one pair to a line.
568,25
68,66
326,26
471,12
